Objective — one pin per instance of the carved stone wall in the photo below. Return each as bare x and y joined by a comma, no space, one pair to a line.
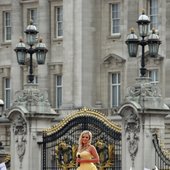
131,123
19,126
33,99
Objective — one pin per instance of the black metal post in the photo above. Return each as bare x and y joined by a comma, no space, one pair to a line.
31,51
143,69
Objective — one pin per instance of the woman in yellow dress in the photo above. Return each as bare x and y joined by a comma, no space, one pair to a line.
87,154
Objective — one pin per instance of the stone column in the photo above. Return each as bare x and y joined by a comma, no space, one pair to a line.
44,32
14,66
68,46
29,115
143,114
80,54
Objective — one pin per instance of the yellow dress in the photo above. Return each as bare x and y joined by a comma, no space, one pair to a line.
86,166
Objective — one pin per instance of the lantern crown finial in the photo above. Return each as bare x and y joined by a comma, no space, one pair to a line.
31,22
132,30
153,31
143,11
40,40
21,40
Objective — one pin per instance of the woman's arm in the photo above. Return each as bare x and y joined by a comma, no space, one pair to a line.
94,153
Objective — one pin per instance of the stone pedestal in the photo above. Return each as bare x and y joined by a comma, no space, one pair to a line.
29,115
143,113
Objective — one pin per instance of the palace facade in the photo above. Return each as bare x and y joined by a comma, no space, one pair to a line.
87,63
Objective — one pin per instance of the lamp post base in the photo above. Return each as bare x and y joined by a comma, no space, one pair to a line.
31,78
143,72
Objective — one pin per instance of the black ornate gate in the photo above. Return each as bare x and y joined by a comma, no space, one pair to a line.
162,157
60,142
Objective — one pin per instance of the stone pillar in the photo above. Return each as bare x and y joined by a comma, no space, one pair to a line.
29,115
80,54
14,67
68,53
143,114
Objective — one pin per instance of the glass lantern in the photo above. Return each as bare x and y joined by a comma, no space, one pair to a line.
143,23
132,43
153,43
41,51
31,34
21,52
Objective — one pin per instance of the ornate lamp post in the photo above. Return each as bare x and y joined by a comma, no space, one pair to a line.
142,99
40,50
152,41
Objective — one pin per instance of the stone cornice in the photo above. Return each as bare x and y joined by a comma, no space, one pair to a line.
28,1
113,57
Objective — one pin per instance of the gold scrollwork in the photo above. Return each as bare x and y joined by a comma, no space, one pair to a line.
106,154
66,155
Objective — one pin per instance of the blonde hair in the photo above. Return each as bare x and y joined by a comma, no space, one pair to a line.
80,138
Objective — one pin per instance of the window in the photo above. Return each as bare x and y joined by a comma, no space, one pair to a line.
32,16
153,74
58,91
59,21
7,92
7,25
115,18
115,89
153,12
